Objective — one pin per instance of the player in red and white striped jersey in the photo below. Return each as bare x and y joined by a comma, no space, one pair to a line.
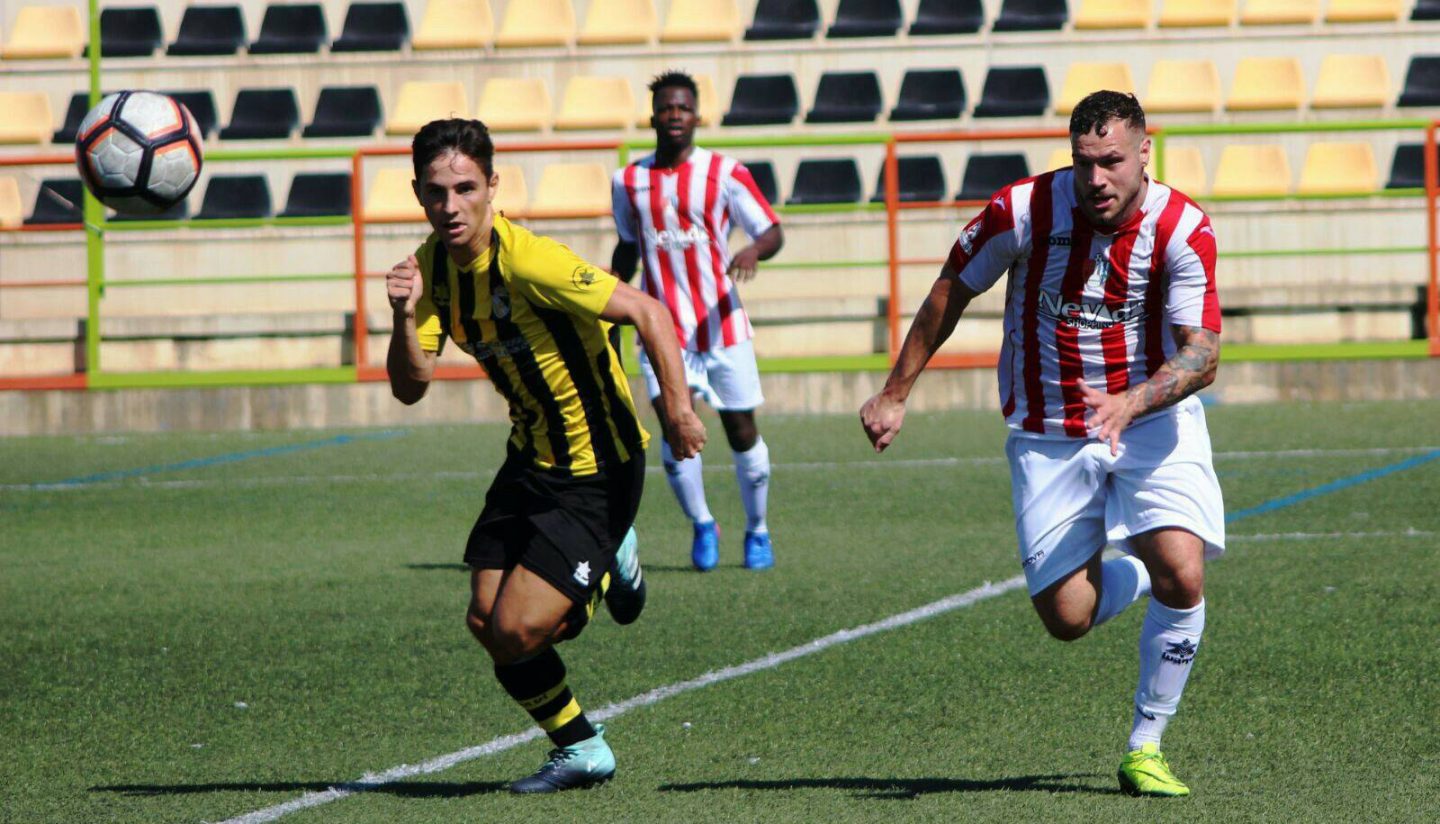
1111,326
673,212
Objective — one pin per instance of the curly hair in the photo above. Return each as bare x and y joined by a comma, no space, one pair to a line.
1098,108
467,137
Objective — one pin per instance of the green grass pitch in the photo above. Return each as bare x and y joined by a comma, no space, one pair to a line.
203,626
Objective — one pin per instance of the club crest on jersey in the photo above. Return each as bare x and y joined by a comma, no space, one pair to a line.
967,237
500,302
1099,270
583,276
440,293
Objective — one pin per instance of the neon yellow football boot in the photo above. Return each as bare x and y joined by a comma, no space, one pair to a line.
1145,772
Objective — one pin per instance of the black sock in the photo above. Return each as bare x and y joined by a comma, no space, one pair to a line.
538,685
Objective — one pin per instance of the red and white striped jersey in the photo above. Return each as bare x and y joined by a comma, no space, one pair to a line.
1082,303
680,220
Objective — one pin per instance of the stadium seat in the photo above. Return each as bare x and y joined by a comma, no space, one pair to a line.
75,112
921,179
1014,91
12,212
866,18
709,103
1185,170
763,99
512,197
1426,10
846,97
391,198
1083,78
948,17
1196,13
373,27
209,31
346,111
1279,12
1266,84
1252,170
515,104
1364,11
1031,15
318,194
930,94
619,21
46,31
784,20
25,117
537,23
694,21
455,24
1339,169
1183,86
1060,158
57,200
596,103
763,173
291,29
1349,81
572,190
263,114
833,180
1422,82
1407,168
986,174
235,196
1113,14
420,102
201,104
131,31
180,211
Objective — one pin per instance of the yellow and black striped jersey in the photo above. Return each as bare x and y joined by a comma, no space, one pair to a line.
528,309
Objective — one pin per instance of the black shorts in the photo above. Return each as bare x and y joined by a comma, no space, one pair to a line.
564,529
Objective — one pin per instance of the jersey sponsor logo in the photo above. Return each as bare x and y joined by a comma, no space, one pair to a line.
500,302
507,348
674,239
1180,652
1059,240
582,574
1089,315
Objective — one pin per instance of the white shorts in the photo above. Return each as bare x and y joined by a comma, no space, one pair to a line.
726,378
1071,496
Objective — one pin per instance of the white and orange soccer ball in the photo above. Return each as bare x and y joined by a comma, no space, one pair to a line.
139,152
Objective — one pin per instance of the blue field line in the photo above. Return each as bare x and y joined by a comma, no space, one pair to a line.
1333,486
216,460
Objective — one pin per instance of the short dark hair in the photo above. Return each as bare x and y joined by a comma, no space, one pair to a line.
1099,108
467,137
674,79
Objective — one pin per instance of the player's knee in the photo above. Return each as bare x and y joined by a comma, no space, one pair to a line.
478,622
516,639
1067,629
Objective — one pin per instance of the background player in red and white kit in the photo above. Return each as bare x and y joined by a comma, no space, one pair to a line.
673,212
1111,326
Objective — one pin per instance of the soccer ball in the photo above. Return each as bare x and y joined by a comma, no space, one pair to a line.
139,152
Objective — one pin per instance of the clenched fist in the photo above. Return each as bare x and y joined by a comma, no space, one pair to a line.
403,285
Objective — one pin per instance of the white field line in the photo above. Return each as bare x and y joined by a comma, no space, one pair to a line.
374,781
1410,532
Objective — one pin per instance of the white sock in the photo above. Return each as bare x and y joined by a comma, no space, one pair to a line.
1123,581
1168,642
686,479
752,470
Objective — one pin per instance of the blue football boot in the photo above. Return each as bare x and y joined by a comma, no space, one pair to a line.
705,551
758,554
589,763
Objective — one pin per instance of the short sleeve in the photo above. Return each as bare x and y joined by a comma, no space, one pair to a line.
988,245
548,274
1192,299
427,318
621,207
748,206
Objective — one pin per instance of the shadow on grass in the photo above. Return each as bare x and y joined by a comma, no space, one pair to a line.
403,789
897,788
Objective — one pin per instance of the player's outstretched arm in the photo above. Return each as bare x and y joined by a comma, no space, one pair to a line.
655,328
1191,369
746,263
409,366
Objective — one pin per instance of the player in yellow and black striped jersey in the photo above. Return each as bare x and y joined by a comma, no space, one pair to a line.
555,531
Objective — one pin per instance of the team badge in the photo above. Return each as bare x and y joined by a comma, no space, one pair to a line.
583,276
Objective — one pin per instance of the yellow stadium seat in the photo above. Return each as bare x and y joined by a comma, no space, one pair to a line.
513,196
515,104
25,117
1252,170
1183,86
455,24
1349,81
572,190
391,198
1059,159
709,103
46,31
1266,83
1365,11
1277,12
1185,171
1113,14
537,23
12,212
1084,78
596,103
421,102
620,21
1339,169
1196,13
691,21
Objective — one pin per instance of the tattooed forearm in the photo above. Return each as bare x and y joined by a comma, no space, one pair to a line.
1191,369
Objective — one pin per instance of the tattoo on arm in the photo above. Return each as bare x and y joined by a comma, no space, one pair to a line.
1191,369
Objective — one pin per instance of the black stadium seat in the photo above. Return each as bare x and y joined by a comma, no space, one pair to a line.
826,181
74,114
846,97
763,99
922,180
764,173
209,30
1031,15
784,20
1407,169
986,174
58,200
318,194
132,31
1426,10
201,104
948,17
235,196
291,29
179,211
930,94
261,114
866,18
1014,91
1422,82
346,111
373,27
